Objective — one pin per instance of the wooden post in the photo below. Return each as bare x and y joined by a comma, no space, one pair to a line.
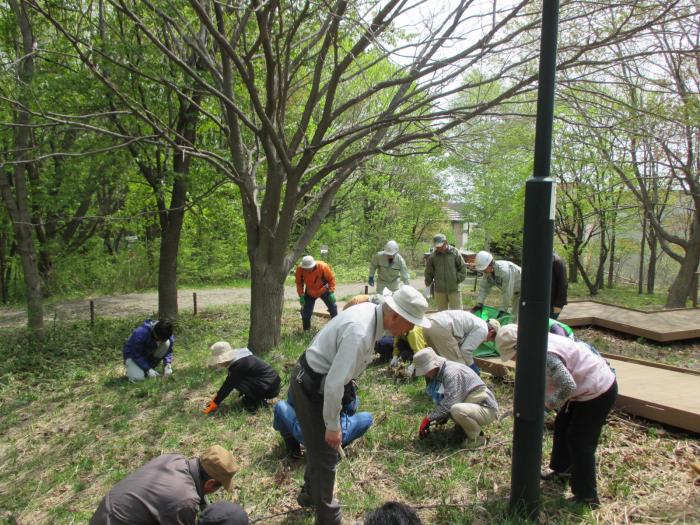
194,302
92,312
366,290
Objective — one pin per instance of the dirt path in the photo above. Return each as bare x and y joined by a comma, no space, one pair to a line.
147,303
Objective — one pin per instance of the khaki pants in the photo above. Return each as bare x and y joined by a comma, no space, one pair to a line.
448,300
472,415
443,342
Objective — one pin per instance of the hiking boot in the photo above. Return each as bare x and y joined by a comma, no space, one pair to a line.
304,498
592,503
554,476
293,448
252,405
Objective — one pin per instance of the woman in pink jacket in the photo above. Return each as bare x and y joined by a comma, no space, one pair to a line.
582,388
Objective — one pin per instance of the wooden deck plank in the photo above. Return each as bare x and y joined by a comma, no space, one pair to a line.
663,326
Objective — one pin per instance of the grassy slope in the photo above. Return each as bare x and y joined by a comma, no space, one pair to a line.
70,427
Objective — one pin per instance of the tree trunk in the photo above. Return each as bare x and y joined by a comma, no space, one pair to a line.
653,258
167,263
680,289
611,263
17,202
640,278
573,270
267,301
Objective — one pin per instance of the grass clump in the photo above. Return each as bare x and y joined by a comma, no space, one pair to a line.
71,427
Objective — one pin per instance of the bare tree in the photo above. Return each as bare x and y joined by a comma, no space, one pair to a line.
304,93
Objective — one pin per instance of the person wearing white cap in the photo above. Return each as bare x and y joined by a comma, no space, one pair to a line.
458,393
445,270
251,376
339,353
582,388
315,279
390,268
456,334
501,274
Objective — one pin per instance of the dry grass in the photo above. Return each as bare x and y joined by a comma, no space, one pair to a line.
71,427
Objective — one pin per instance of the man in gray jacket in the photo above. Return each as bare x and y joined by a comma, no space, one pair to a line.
169,489
445,269
502,274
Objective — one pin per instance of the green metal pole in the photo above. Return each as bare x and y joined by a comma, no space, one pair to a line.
538,230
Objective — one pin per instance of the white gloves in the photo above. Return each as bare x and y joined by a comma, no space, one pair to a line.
168,369
426,292
411,370
394,361
152,373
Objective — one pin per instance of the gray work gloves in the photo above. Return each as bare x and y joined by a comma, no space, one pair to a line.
152,373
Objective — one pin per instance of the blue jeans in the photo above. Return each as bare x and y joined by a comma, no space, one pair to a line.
353,426
308,309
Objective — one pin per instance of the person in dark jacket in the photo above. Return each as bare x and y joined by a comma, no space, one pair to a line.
560,286
256,380
168,489
445,270
224,513
148,346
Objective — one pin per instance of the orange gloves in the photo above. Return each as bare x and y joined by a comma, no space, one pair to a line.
211,407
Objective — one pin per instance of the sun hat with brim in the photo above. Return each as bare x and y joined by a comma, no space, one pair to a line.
221,352
506,341
425,360
307,262
410,304
220,465
439,240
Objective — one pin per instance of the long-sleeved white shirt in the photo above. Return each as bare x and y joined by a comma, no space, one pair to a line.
506,276
342,350
469,330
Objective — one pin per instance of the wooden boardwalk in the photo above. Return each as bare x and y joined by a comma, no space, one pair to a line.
662,393
662,326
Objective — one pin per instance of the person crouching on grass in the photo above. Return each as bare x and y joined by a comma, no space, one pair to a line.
256,380
459,393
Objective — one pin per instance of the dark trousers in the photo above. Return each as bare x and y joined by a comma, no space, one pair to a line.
308,309
321,460
576,433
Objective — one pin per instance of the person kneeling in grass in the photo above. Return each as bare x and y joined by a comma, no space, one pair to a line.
353,424
168,489
148,346
256,380
459,393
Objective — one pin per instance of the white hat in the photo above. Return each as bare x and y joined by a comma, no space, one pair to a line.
221,352
506,341
307,262
482,260
493,325
410,304
425,360
391,248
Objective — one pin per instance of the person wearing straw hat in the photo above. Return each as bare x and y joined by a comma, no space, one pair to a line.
168,489
390,268
256,380
445,270
456,334
582,388
339,353
458,393
314,280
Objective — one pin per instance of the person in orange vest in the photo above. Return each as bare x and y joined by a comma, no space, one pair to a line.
315,279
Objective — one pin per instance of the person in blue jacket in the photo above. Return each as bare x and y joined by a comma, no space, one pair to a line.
352,423
148,346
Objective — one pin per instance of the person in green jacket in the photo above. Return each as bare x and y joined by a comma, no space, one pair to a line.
445,269
390,268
